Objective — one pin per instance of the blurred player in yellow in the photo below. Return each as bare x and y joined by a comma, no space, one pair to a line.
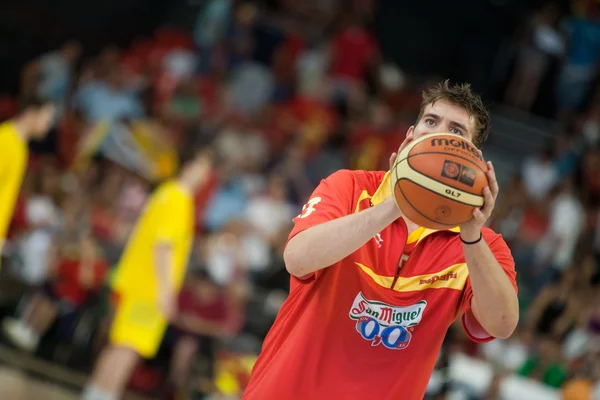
32,122
148,278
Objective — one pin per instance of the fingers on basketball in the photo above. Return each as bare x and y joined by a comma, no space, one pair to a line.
394,155
392,159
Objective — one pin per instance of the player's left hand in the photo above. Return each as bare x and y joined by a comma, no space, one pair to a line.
471,230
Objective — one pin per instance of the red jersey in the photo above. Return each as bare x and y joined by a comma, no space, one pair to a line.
372,325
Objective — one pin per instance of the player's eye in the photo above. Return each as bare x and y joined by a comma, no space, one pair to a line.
456,131
430,121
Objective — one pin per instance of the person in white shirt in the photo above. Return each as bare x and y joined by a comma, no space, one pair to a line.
557,248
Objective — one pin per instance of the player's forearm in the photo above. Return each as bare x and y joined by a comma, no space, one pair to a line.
326,244
495,303
163,257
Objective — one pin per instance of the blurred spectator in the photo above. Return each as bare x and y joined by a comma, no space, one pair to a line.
270,213
43,219
370,142
581,386
540,174
50,76
211,27
510,354
224,257
566,222
545,364
354,53
554,311
580,68
107,100
585,336
207,312
78,272
540,44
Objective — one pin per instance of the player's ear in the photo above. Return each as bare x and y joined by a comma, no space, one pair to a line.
410,131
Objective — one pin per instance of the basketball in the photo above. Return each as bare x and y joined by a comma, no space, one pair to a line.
438,180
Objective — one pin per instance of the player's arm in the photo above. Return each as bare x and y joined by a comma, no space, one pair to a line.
333,232
163,263
494,304
167,229
328,228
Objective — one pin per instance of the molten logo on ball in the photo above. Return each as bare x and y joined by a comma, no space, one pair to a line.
458,143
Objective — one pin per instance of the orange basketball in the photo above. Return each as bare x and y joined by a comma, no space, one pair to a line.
438,180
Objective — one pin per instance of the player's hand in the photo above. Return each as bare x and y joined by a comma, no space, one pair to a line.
471,230
409,138
167,304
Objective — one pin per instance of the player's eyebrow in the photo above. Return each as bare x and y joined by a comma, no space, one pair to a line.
432,115
453,123
459,125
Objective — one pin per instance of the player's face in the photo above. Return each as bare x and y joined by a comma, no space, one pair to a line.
444,117
43,120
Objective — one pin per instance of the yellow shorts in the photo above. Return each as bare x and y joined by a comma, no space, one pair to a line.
139,325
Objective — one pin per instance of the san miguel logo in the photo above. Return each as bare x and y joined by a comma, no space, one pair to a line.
457,144
381,323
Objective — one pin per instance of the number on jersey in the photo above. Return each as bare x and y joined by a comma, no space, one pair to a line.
309,207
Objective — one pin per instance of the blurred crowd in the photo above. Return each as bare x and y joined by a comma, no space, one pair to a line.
285,95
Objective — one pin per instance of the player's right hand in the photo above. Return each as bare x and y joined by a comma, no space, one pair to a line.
409,138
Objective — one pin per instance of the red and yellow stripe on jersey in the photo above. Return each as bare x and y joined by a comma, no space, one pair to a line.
372,325
13,161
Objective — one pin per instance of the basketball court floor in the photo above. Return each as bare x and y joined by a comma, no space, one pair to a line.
16,385
42,381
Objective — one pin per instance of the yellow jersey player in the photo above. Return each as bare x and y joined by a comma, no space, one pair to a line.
32,122
148,278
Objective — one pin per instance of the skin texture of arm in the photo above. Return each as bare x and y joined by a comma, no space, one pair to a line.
325,244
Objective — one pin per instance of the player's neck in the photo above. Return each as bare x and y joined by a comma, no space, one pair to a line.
22,129
187,187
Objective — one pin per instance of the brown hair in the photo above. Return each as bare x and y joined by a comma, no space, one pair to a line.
461,95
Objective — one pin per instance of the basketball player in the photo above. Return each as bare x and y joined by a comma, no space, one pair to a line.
372,294
148,279
32,122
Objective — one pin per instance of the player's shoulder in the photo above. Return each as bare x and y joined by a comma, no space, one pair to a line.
357,178
491,236
7,130
167,190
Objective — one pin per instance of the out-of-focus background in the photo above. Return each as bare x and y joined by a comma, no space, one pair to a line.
288,92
